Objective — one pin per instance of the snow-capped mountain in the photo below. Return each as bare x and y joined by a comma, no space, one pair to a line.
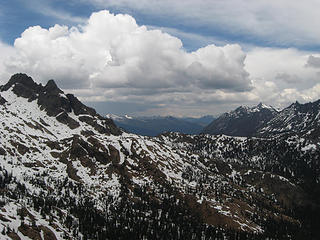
265,121
155,125
68,173
300,119
243,121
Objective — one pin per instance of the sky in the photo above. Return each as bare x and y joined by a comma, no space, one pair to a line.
161,57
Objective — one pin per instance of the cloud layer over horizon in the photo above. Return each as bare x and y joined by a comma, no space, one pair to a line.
111,58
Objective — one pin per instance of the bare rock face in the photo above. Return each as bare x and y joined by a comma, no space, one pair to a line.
64,118
21,79
52,100
78,107
2,151
2,100
52,87
23,86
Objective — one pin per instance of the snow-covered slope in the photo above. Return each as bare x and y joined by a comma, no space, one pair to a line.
264,121
300,119
75,175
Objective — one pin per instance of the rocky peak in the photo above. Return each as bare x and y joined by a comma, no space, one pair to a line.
78,107
23,86
311,107
51,87
56,104
243,121
20,78
297,119
242,109
293,105
51,99
260,105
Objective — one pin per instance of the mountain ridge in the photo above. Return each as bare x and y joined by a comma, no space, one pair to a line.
301,119
52,99
90,180
296,119
243,121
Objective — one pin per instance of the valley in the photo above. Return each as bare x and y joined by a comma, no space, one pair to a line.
69,173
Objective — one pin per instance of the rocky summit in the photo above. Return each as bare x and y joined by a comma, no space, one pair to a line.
68,173
297,119
243,121
266,121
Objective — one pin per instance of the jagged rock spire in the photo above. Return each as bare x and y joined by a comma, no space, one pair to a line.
20,78
52,87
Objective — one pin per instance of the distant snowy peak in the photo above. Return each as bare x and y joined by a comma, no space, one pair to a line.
117,117
113,116
297,119
260,107
243,121
266,121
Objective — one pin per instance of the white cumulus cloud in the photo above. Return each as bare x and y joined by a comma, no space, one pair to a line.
112,51
6,52
111,58
282,76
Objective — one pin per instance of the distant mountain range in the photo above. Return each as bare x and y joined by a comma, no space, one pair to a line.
155,125
265,121
258,121
243,121
297,119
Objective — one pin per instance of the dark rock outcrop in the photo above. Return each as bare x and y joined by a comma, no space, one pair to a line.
78,107
2,151
23,79
52,100
65,119
107,128
52,88
83,150
53,104
2,100
23,86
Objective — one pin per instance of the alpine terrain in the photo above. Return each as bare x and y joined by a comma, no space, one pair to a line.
68,173
244,121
